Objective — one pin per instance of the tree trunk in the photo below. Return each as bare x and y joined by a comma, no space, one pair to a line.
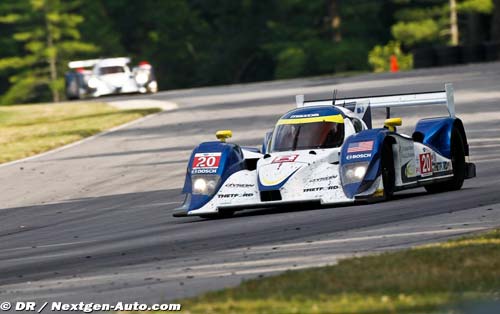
495,22
52,60
334,20
453,23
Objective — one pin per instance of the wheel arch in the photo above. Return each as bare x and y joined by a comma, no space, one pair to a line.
460,127
436,133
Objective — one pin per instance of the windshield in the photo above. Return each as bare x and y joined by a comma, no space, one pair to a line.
316,135
111,70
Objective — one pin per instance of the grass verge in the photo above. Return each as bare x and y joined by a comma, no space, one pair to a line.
27,130
418,280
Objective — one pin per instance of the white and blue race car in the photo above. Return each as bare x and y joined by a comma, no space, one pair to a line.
109,76
326,152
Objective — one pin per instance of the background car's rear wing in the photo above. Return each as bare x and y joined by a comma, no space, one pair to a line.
361,105
92,62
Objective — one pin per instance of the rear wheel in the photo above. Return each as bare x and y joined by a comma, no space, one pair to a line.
388,172
458,164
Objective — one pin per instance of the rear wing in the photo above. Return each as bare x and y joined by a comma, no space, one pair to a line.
92,62
361,105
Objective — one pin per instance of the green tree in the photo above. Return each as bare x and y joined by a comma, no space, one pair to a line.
105,27
322,37
48,32
380,56
425,22
169,34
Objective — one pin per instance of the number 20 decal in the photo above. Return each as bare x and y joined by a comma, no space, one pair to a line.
206,160
425,163
203,161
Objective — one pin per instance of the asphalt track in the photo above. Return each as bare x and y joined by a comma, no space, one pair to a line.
93,222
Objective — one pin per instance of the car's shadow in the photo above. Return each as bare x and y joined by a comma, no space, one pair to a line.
399,196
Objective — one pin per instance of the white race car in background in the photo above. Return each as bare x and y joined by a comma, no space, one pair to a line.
99,77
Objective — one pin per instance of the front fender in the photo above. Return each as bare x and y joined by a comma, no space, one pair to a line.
363,148
228,160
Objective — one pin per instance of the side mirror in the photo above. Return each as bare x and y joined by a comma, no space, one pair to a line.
222,135
392,123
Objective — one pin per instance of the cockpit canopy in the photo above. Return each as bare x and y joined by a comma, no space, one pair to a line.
309,128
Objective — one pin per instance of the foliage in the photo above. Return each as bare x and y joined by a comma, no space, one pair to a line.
207,42
411,33
422,23
427,22
477,6
379,57
292,62
48,32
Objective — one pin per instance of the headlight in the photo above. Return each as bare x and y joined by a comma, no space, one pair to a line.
205,185
352,173
93,82
142,78
153,85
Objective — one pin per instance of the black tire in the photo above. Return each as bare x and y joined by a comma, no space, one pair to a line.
388,173
458,164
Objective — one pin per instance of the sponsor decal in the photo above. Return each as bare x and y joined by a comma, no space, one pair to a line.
441,166
286,158
358,156
206,160
299,116
204,171
239,185
235,195
206,163
333,187
425,164
357,147
313,189
323,179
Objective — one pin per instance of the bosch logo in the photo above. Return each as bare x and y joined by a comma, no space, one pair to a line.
204,171
358,156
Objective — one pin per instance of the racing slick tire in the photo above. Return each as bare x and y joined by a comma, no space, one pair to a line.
388,172
458,164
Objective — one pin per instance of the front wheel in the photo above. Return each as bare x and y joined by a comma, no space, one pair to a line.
458,164
388,173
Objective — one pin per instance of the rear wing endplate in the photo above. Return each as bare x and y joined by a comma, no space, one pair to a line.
445,98
83,63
